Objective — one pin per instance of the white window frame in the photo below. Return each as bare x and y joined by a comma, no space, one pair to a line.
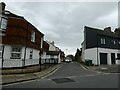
31,54
15,51
32,36
114,42
41,45
3,23
119,42
1,50
102,40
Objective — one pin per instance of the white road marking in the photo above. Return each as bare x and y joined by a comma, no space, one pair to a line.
33,80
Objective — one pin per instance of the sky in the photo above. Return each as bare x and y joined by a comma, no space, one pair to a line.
63,22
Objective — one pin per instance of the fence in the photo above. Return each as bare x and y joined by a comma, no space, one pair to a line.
11,66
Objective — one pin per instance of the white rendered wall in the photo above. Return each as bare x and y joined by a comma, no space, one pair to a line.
118,60
59,59
34,60
92,55
52,47
18,62
10,62
55,57
109,51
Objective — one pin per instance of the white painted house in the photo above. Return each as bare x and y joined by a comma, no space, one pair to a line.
54,53
20,42
101,46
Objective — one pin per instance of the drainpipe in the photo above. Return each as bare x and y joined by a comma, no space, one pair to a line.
97,50
2,56
25,47
24,57
40,60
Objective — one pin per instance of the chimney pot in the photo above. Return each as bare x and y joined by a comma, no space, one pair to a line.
108,29
2,6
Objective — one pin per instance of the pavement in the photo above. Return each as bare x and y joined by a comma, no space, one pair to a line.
104,68
8,79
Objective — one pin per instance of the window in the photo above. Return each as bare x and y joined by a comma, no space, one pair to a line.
41,43
1,49
33,36
119,42
31,54
113,41
16,53
3,23
102,41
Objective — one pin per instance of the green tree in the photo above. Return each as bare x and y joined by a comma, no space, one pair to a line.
70,56
77,55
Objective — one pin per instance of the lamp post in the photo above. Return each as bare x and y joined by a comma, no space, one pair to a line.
66,51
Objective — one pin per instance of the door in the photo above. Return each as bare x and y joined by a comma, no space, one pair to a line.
113,58
103,58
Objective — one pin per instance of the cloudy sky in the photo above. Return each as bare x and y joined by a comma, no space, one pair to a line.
63,22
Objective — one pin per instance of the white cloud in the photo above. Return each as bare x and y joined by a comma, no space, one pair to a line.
109,20
63,22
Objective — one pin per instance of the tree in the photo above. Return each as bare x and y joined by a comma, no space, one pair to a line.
70,56
77,55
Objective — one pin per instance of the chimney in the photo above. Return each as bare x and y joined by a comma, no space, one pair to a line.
2,7
107,29
117,31
52,43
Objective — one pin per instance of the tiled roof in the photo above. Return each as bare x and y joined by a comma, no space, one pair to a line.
103,32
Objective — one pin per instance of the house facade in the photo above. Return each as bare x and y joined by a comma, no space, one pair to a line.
20,42
54,53
101,46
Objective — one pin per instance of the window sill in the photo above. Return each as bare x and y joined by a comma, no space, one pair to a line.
14,58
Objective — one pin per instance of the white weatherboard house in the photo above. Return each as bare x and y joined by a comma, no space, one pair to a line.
101,46
53,53
20,42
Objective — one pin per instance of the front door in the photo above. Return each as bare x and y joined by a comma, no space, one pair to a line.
103,58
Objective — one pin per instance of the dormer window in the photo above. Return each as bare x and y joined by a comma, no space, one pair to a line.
3,23
102,40
41,45
32,36
113,42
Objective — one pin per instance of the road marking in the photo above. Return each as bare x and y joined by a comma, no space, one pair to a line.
15,83
51,72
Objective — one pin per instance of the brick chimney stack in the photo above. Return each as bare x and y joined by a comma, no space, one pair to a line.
107,29
2,7
117,31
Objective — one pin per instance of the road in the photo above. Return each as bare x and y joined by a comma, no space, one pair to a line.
71,75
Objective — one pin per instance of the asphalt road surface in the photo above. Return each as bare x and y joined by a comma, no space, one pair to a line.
71,75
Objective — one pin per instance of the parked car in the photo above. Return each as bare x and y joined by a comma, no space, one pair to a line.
68,60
